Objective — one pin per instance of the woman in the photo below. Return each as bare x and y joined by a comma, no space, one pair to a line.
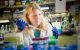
33,15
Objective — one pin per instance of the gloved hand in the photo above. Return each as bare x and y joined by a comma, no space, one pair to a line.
55,32
21,24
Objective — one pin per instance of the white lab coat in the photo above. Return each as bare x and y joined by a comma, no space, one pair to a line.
28,40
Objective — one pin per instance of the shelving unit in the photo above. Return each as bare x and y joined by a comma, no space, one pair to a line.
12,7
21,7
41,4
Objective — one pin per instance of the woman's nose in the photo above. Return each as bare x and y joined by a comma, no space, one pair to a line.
37,16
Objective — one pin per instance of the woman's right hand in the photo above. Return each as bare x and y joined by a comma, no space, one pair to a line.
20,24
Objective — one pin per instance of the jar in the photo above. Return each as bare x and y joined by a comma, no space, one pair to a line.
11,2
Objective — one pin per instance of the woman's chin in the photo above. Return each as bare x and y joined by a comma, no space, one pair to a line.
36,25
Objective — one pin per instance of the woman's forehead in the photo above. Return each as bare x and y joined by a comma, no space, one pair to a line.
35,11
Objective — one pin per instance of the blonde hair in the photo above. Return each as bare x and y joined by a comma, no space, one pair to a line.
28,10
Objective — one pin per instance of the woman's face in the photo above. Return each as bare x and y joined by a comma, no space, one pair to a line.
35,17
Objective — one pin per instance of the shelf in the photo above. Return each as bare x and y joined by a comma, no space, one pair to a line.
45,3
12,7
23,6
52,3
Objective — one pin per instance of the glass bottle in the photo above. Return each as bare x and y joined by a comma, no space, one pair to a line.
11,2
18,2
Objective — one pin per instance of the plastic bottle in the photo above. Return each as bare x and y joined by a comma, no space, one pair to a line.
20,47
23,2
11,2
6,29
6,2
2,32
2,37
2,29
18,2
28,1
52,40
16,13
9,29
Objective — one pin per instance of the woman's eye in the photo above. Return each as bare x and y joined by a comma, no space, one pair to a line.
35,15
40,14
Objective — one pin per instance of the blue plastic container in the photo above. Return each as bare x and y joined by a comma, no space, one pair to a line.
54,48
71,47
51,48
35,46
26,48
41,47
38,47
57,48
10,48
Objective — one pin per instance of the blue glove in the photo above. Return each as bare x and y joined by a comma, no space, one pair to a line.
21,24
55,32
